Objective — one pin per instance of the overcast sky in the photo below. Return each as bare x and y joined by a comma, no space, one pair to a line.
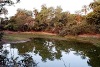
67,5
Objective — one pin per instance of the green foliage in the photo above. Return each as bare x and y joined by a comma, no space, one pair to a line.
77,29
4,11
50,19
22,21
93,5
94,17
3,3
43,18
56,20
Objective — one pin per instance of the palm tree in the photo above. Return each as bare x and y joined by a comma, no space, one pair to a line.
85,9
35,12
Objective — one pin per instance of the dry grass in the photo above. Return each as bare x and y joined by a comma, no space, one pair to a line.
20,36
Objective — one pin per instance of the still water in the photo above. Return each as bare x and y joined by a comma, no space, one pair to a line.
42,52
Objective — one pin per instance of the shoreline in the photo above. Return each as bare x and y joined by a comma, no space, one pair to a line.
19,37
47,33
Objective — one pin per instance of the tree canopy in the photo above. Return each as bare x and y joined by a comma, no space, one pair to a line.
4,11
94,17
55,20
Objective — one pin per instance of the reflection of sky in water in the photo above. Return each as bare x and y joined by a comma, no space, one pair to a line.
70,60
13,52
67,59
74,61
56,53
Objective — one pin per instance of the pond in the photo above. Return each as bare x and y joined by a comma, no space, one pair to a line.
41,52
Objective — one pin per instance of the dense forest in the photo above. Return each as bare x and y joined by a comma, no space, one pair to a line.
55,20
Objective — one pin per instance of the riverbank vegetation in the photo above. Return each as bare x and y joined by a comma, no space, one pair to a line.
15,37
3,10
52,32
54,20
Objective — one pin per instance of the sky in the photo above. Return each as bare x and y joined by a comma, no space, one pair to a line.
66,5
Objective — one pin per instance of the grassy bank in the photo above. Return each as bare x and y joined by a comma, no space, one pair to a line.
11,37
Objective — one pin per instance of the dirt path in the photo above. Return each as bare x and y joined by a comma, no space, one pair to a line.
47,33
40,33
90,35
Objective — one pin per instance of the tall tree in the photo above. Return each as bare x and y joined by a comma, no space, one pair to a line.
94,4
35,11
78,16
94,17
22,21
3,10
85,9
43,17
3,3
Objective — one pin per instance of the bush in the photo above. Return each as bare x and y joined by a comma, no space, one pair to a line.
80,29
71,30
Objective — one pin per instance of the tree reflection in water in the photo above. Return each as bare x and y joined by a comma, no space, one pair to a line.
50,49
26,61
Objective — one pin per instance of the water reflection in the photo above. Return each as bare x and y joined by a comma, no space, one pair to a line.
54,53
9,58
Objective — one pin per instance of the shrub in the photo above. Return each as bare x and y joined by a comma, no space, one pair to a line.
80,29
